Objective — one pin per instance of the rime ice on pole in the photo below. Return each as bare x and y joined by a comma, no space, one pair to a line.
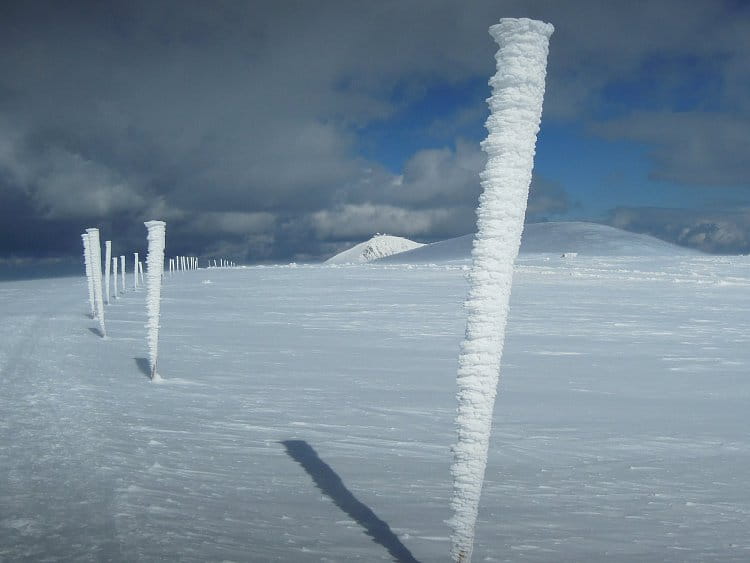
114,274
122,272
155,269
89,275
107,262
513,124
95,251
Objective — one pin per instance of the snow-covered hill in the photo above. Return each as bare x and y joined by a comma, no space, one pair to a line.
379,246
586,239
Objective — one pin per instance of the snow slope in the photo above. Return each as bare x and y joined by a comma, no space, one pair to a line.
307,413
589,239
379,246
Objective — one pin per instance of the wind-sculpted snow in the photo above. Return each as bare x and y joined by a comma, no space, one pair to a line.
620,429
515,113
155,263
377,247
95,249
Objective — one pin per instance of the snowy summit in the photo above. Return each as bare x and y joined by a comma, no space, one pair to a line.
379,246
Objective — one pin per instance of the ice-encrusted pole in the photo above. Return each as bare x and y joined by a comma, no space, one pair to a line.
122,272
107,266
513,124
89,275
114,274
135,270
155,269
95,250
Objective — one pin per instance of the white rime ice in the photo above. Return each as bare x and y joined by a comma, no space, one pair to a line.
155,269
140,271
122,272
135,270
114,274
95,251
107,261
513,124
89,275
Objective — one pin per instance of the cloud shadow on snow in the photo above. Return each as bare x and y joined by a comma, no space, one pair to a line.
143,366
332,486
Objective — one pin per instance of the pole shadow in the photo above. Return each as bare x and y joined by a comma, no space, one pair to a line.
333,487
143,367
96,331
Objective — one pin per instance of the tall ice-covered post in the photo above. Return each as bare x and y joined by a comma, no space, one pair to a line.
513,124
154,271
95,251
89,274
107,262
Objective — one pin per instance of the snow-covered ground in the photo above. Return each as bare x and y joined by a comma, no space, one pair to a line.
307,413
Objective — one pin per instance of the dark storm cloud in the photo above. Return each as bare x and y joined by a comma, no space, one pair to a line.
720,231
237,121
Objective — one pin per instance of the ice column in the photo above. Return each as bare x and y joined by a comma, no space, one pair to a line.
114,274
515,113
155,269
122,272
89,275
107,261
95,250
135,270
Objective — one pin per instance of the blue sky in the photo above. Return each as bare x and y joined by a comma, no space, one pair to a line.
283,130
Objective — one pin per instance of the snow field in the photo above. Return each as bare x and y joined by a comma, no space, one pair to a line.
619,434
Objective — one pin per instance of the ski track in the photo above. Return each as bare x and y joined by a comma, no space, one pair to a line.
620,429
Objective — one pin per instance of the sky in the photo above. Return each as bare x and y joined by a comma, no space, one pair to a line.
289,130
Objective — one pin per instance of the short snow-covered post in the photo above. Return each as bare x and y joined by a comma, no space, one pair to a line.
114,274
513,124
89,275
122,272
95,249
155,263
107,260
135,270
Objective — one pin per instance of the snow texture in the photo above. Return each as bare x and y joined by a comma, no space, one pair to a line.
95,249
155,263
89,273
515,113
377,247
107,266
620,426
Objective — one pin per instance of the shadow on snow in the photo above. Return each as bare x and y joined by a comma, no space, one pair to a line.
143,366
332,486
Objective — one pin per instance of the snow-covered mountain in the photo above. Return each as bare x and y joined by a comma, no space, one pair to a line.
379,246
586,239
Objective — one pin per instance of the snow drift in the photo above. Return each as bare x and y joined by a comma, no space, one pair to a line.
379,246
